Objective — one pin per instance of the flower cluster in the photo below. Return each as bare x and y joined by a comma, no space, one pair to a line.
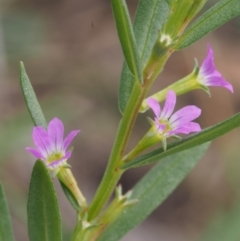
50,145
52,149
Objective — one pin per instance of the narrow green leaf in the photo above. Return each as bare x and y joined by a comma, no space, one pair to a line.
213,18
44,222
6,233
206,135
150,16
153,189
32,104
127,38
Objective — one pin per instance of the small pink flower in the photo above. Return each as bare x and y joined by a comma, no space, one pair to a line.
50,145
180,122
209,76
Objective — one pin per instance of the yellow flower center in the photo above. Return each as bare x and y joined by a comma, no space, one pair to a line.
161,134
54,157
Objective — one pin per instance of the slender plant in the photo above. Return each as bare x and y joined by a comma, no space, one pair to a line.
160,28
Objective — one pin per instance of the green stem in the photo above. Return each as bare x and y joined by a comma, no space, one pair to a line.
148,140
182,86
82,235
112,212
113,172
77,232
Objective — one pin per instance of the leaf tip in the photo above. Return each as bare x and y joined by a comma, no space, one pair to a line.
21,65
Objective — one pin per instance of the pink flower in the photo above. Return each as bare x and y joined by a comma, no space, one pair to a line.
50,145
179,123
209,76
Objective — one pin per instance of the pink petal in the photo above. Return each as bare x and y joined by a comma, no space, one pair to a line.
180,130
208,74
160,127
55,133
154,105
184,115
208,65
67,155
69,138
169,105
186,129
34,152
55,164
41,140
194,127
218,81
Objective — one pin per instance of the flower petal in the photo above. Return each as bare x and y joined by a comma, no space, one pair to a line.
69,138
154,105
180,130
55,133
184,115
218,81
194,127
169,105
160,127
34,152
41,140
67,155
208,74
55,164
208,65
186,129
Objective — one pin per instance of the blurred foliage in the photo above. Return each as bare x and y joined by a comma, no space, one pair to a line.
23,32
226,221
225,226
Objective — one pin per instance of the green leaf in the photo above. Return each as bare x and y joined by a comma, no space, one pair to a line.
153,189
205,135
225,226
32,104
213,18
6,233
44,222
127,38
150,16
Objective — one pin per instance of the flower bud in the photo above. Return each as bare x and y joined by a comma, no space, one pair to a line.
117,206
71,189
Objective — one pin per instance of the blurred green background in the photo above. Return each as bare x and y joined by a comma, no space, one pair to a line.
73,57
